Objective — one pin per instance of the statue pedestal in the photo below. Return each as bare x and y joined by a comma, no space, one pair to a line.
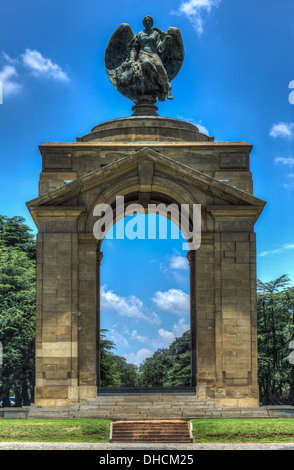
145,108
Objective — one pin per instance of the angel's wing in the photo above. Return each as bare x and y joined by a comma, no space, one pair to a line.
173,52
118,49
161,33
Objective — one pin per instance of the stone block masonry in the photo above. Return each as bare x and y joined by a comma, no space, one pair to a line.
146,158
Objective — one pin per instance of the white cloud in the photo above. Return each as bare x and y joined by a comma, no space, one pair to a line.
118,339
138,357
290,185
179,262
7,77
194,10
288,161
198,124
173,301
180,327
131,306
202,129
281,249
282,129
154,319
136,337
35,62
42,66
9,59
125,306
175,266
166,337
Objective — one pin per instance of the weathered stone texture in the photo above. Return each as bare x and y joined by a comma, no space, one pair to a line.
174,164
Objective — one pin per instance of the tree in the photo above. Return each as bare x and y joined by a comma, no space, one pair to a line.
154,370
14,233
180,372
128,373
114,370
17,310
275,308
170,367
109,374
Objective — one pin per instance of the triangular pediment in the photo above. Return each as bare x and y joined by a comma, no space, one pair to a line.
145,163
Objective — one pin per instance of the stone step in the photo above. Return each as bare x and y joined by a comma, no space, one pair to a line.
149,406
152,406
144,394
151,431
145,399
140,436
147,390
123,413
138,401
155,394
160,424
152,438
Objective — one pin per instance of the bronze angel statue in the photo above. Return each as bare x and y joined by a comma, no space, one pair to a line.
142,66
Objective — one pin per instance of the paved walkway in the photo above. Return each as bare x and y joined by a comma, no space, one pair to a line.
143,447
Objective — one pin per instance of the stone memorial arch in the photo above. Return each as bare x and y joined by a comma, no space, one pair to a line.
146,158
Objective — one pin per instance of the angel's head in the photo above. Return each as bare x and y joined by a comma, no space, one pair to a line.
148,21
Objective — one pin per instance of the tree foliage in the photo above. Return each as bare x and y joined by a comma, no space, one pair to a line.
169,367
17,310
15,234
114,370
275,308
109,375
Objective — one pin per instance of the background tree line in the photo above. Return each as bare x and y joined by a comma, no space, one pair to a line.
17,310
275,307
167,367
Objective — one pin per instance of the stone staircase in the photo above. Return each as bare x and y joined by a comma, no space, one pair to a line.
149,406
151,431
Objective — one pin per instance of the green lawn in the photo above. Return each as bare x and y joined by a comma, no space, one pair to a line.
54,430
97,430
244,430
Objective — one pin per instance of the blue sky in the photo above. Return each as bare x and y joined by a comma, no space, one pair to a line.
234,83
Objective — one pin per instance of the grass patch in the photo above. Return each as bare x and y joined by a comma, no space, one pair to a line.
244,430
54,430
97,430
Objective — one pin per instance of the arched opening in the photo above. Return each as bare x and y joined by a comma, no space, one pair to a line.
144,306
